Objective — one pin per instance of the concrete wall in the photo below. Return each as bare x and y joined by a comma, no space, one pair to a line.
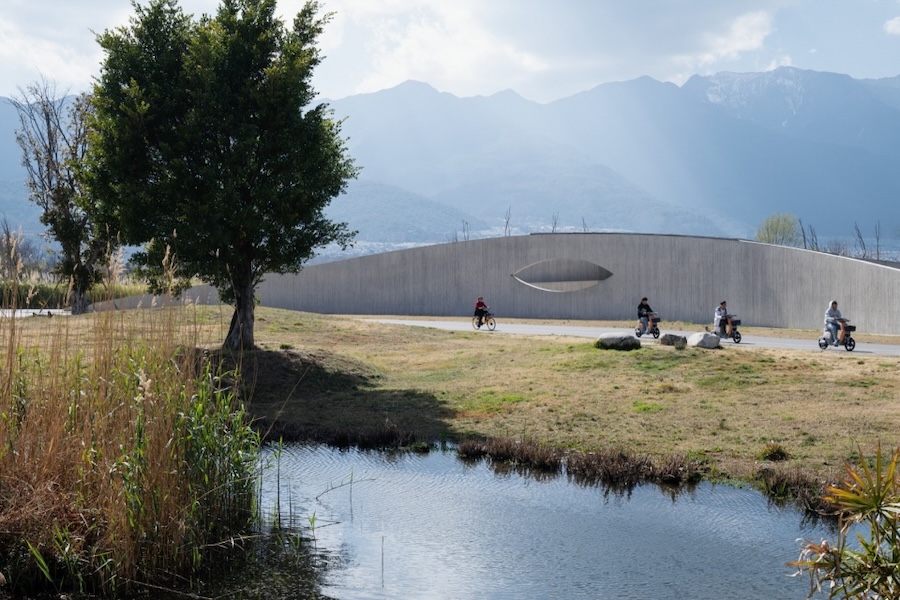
683,277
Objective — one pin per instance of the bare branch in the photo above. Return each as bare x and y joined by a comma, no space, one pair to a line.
860,241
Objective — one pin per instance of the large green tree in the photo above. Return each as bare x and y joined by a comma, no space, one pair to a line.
53,137
208,148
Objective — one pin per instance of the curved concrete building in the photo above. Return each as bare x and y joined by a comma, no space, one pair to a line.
600,276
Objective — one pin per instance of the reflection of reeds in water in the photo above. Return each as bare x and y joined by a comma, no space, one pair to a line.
378,437
620,470
609,468
123,459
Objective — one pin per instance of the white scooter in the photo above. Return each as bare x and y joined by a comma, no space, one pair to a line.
848,342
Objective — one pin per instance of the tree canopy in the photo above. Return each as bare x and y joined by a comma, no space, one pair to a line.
781,228
207,148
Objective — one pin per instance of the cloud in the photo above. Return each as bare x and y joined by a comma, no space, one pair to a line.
781,61
446,44
741,35
55,40
892,26
746,33
542,49
55,61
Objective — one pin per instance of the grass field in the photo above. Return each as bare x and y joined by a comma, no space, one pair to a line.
728,408
733,409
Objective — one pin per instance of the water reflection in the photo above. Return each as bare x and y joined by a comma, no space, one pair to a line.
432,526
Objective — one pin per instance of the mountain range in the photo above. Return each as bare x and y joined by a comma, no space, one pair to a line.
714,156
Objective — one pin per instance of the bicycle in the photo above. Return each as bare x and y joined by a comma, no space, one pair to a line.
486,320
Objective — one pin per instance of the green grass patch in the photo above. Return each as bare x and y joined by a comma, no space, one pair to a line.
639,406
492,401
657,362
438,376
586,362
861,383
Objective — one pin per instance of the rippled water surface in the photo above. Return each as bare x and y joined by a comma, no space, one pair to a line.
431,526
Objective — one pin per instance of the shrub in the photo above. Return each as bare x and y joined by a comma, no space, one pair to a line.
869,497
773,451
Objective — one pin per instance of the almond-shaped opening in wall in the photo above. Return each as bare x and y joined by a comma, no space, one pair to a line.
562,275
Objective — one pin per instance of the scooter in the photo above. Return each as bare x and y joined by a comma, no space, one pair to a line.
848,342
723,328
652,326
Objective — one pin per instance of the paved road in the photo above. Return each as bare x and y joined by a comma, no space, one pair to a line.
33,312
748,341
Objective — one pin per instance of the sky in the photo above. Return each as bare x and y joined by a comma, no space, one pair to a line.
542,49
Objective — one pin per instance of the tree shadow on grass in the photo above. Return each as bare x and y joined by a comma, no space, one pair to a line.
321,396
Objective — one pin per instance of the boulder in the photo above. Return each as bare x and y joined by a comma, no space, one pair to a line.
670,339
617,341
703,340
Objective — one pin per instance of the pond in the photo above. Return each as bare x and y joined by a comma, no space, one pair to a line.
403,525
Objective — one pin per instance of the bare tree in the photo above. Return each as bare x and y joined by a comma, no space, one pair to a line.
837,247
506,221
465,230
810,240
53,137
877,240
554,222
584,225
860,241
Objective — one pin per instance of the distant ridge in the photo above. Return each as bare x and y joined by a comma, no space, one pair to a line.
712,157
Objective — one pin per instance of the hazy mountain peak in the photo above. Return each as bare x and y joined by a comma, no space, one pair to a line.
412,86
742,91
714,156
508,95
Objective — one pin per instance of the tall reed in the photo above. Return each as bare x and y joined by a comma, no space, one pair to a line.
124,453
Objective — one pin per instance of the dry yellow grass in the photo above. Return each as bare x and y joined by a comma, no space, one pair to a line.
319,373
723,406
119,465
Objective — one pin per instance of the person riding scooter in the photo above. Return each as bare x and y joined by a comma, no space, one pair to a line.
643,313
834,323
721,318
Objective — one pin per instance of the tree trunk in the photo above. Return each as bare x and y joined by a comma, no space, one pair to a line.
240,333
78,302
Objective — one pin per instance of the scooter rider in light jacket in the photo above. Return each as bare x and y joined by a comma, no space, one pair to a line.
833,324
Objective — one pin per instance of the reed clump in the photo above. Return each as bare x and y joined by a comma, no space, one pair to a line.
609,467
799,488
123,458
531,454
624,469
